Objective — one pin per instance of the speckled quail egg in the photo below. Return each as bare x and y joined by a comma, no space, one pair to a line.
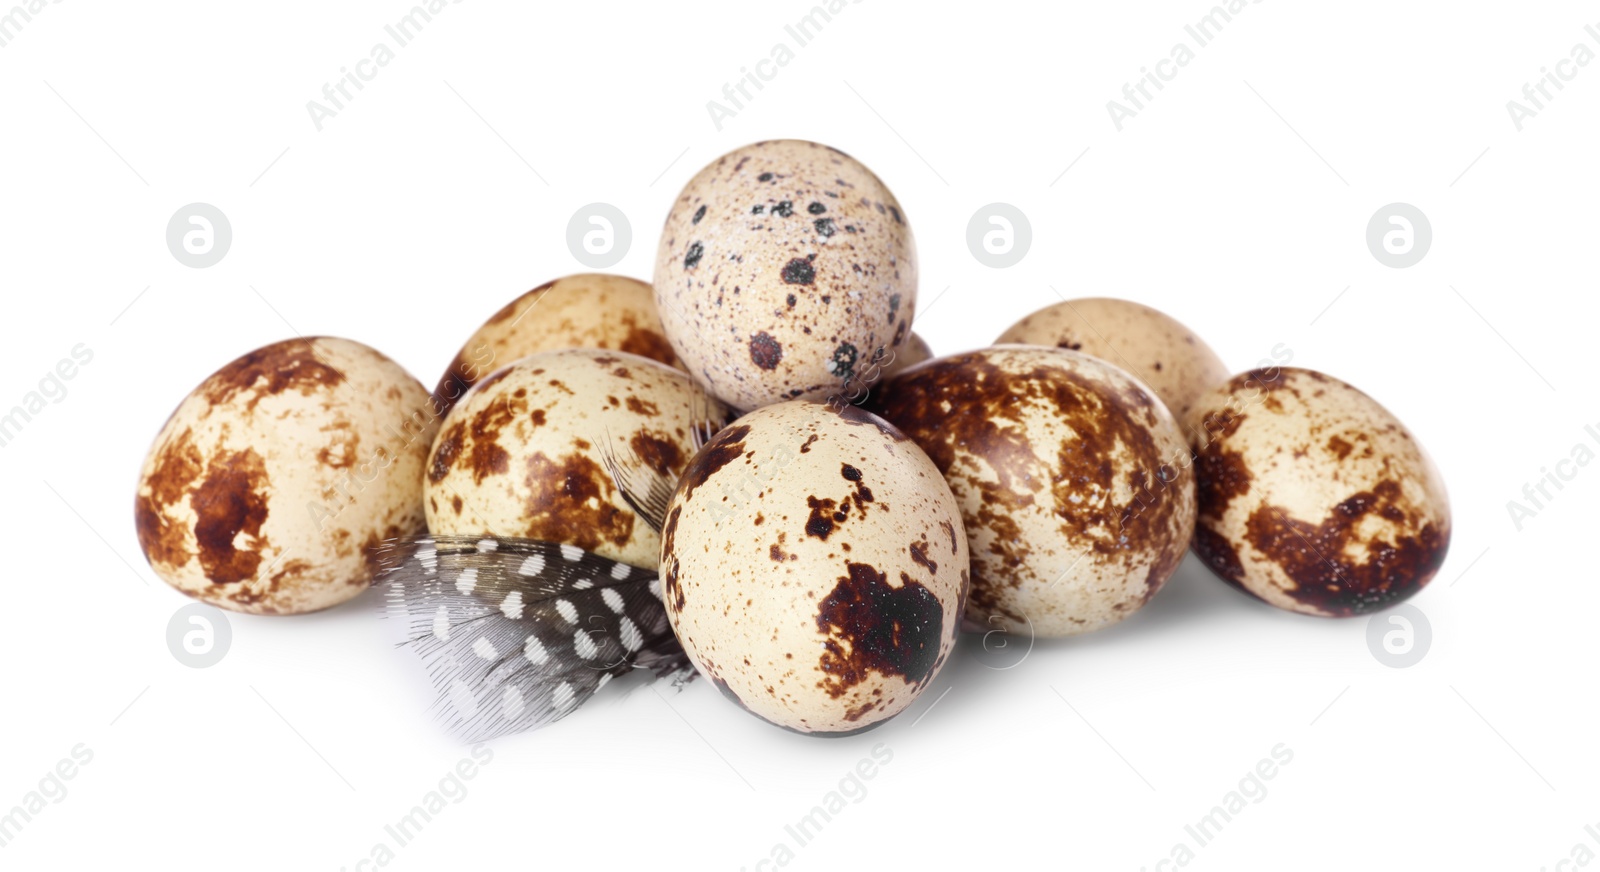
1166,355
783,267
1312,496
814,567
1072,479
524,452
589,310
273,486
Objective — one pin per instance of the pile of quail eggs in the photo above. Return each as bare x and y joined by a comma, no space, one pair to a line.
822,552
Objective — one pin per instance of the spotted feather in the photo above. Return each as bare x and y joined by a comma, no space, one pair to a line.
516,633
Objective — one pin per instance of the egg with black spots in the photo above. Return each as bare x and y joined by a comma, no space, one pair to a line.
783,268
1314,497
814,567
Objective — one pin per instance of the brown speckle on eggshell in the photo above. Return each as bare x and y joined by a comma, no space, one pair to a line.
1313,496
522,454
588,310
273,486
807,569
1176,364
783,267
1072,479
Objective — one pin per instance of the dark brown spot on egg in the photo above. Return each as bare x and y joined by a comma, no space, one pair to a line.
1220,476
671,589
950,531
871,626
843,362
291,365
1339,448
647,342
230,502
1339,565
919,554
446,451
177,467
568,501
691,258
799,271
484,456
783,209
162,541
765,351
1219,554
657,452
825,515
643,407
816,208
698,214
723,449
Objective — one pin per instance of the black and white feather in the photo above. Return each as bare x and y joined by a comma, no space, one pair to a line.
516,633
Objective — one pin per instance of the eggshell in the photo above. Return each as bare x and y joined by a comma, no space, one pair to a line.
783,267
521,454
272,486
1312,496
915,351
1166,355
1071,476
813,567
588,310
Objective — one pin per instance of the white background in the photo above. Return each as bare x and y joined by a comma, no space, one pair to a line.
420,209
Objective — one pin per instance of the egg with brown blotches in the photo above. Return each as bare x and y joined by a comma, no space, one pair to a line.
783,267
588,310
814,568
523,454
1313,497
1071,476
1176,364
275,484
